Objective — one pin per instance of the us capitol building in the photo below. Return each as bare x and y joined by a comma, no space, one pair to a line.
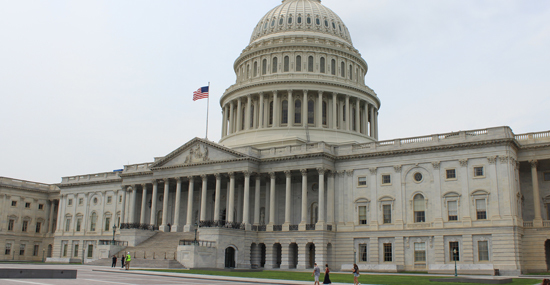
299,176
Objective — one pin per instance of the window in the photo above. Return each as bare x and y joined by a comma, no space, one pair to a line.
24,226
70,202
11,224
317,21
420,252
481,209
8,249
290,20
90,250
274,66
78,224
362,181
363,252
452,207
264,66
22,249
284,112
324,113
65,250
419,209
308,20
93,222
451,174
326,23
387,213
107,223
310,64
310,112
40,206
386,179
362,215
298,112
27,205
388,253
286,64
454,251
343,69
299,19
35,250
14,203
298,63
322,65
251,116
350,72
119,199
109,199
418,177
478,171
353,126
67,224
483,250
255,71
333,67
75,254
271,113
546,176
38,226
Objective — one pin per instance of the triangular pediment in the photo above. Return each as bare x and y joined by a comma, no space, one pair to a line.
198,151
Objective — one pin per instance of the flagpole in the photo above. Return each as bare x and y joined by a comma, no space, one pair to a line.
207,109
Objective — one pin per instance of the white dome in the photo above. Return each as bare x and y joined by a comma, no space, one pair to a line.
294,16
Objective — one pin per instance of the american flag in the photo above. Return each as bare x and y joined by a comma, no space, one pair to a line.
201,93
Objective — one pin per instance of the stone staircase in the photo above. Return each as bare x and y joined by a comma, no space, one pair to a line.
159,251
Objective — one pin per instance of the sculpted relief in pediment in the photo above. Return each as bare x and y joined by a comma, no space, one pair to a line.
198,153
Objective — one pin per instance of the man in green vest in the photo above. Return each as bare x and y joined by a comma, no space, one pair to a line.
128,259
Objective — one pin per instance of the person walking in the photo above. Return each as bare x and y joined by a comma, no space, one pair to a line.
114,261
128,259
355,274
122,258
316,273
327,277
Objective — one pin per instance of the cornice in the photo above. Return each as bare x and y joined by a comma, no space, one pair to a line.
533,146
331,157
131,174
29,189
66,185
205,163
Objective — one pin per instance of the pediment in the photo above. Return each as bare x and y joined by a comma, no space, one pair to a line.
198,151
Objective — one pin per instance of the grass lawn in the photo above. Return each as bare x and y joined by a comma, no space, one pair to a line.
337,277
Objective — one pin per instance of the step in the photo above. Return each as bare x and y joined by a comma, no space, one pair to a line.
141,263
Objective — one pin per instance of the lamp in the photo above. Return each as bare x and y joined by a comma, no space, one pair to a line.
114,230
455,258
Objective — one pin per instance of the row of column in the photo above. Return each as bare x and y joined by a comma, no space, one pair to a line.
337,113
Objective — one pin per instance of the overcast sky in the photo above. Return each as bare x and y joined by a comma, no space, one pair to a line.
89,86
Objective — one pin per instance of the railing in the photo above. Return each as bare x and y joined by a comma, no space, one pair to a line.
211,224
329,228
277,228
138,226
530,136
527,224
477,133
293,228
310,227
234,225
262,228
111,242
202,243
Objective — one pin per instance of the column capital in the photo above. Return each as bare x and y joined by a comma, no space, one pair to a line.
397,168
257,175
492,159
463,162
191,178
154,181
288,173
436,164
320,92
261,93
204,176
166,180
231,174
373,170
129,188
534,163
305,91
303,171
321,170
246,173
349,172
144,185
272,175
289,91
217,175
330,173
274,92
178,179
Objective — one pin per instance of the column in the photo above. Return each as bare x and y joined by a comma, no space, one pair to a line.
257,200
357,115
371,113
286,225
304,109
123,210
231,117
203,197
536,191
348,116
247,112
50,221
330,198
143,203
164,226
60,210
224,125
132,213
230,213
239,115
153,218
189,224
303,222
261,116
217,197
272,200
176,226
267,202
302,249
239,193
290,109
319,122
365,119
255,122
268,255
285,257
334,111
246,204
321,223
276,117
86,214
376,124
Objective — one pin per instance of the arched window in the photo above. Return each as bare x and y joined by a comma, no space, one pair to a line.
273,22
314,213
290,20
322,65
264,66
287,63
333,67
310,112
251,115
298,63
284,112
353,113
337,114
310,64
350,72
274,67
343,68
298,112
255,72
308,20
318,21
93,222
248,71
299,19
271,113
243,116
343,112
324,113
281,21
419,208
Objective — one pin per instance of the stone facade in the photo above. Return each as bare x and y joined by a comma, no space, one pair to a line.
277,192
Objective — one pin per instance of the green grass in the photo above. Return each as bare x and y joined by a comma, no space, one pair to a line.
539,273
336,277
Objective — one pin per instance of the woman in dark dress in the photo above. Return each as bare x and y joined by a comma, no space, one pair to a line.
327,277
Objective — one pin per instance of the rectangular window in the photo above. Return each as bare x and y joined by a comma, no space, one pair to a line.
483,250
68,224
78,223
27,205
546,176
120,199
478,171
452,206
107,223
362,181
38,226
419,211
65,246
40,206
387,213
454,251
80,201
22,249
388,257
109,199
8,249
363,252
75,254
70,202
420,252
35,250
451,173
90,250
362,215
481,209
11,223
13,203
386,179
24,226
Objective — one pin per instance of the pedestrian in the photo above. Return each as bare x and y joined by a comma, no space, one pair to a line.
122,258
327,277
355,274
128,259
316,273
114,261
545,282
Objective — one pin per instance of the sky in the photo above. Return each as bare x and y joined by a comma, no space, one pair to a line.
91,85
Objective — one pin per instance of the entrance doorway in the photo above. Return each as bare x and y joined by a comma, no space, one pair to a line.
547,253
229,257
311,254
